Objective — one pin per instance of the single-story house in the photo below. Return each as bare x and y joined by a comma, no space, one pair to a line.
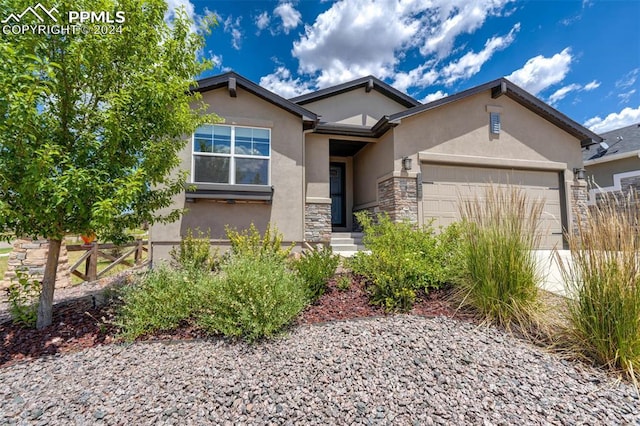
614,165
309,163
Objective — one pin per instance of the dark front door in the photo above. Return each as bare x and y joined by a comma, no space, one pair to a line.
338,195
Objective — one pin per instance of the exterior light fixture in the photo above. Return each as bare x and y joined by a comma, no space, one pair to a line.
406,163
580,173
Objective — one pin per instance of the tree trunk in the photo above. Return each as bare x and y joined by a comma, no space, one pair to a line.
45,306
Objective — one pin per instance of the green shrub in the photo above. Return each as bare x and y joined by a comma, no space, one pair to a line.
162,300
253,297
249,242
343,282
403,259
316,267
23,294
604,285
195,252
500,276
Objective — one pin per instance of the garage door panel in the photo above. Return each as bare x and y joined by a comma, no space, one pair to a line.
444,186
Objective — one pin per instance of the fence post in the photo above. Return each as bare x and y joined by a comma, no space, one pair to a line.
138,254
91,267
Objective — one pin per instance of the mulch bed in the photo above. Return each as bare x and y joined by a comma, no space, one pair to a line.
83,323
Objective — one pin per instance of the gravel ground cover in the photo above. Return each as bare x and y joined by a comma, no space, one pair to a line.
400,369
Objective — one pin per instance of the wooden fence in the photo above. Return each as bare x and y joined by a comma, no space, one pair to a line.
95,251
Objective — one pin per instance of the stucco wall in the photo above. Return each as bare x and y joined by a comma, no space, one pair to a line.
370,163
602,173
317,165
355,107
286,210
462,128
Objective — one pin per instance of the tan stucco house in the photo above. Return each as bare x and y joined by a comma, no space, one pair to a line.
613,166
307,164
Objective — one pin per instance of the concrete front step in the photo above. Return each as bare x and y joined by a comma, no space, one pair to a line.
346,244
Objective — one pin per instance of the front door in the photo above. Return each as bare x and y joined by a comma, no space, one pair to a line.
338,195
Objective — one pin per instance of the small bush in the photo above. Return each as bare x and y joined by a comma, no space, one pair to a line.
162,300
250,243
316,267
343,282
253,297
604,285
403,259
23,294
500,278
195,252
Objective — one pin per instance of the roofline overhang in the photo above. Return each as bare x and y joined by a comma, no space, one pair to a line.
232,80
377,130
368,83
614,157
501,87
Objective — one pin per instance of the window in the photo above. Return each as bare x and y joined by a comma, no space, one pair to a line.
231,155
494,118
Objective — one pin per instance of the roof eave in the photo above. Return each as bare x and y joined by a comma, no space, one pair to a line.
222,80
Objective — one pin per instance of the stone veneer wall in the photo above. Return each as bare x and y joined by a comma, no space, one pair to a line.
31,256
317,222
579,197
398,197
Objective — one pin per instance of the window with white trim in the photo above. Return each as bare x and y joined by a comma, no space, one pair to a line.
231,155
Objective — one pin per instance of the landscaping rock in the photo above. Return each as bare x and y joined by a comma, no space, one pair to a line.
394,370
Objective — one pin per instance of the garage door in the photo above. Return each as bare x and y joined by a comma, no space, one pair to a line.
443,187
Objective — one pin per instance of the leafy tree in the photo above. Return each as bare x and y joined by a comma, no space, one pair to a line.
91,124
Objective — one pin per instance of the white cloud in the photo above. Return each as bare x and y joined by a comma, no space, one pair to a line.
233,27
282,83
540,72
470,63
629,79
615,120
447,19
174,5
562,92
434,97
420,76
591,86
262,21
626,96
290,17
354,38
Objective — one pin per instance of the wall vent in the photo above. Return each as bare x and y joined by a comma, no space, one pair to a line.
494,118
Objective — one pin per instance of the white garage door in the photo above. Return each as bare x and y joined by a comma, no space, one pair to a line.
443,187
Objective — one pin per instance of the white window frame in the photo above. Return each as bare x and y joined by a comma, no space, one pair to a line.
232,156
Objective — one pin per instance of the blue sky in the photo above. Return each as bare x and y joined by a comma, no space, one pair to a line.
582,57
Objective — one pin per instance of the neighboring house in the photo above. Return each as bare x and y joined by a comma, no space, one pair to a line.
614,165
308,163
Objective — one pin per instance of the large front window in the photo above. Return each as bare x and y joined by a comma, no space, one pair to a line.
231,154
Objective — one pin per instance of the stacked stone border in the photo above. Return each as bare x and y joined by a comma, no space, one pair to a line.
30,256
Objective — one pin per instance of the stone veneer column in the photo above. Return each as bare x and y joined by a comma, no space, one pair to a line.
31,256
398,197
317,222
579,197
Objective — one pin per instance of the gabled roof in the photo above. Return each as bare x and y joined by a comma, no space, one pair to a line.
500,87
369,83
232,79
625,140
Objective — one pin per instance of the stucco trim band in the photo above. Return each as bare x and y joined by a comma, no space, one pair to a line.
617,185
317,200
470,160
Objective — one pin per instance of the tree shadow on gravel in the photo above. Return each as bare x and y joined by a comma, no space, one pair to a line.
77,324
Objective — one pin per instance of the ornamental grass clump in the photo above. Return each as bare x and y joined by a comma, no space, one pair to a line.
499,277
603,280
